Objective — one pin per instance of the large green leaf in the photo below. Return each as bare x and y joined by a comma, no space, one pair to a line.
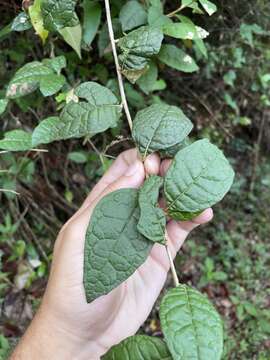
198,178
97,110
114,248
35,75
139,347
16,140
58,14
177,59
132,15
152,221
159,127
137,47
73,37
91,20
191,325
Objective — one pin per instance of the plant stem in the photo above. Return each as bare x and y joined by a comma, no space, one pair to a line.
182,7
173,270
118,70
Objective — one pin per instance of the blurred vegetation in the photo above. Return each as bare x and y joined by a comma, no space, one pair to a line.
228,100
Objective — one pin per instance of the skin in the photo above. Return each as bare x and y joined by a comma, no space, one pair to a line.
65,326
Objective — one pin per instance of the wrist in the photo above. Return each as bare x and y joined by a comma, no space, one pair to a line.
47,339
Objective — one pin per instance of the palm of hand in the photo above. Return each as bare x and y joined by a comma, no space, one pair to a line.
113,317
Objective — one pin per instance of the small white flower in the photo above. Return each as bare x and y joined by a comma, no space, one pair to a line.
202,33
187,59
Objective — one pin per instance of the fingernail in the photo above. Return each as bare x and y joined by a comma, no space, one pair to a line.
132,169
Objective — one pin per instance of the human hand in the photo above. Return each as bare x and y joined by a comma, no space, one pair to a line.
65,326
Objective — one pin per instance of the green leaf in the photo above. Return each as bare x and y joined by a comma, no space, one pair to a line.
114,248
159,127
156,16
137,47
132,15
5,31
21,22
32,76
56,64
99,112
73,37
199,177
46,131
139,347
199,34
145,41
208,6
191,325
91,20
78,157
58,14
148,80
177,59
152,221
180,31
37,20
172,151
51,84
16,140
3,105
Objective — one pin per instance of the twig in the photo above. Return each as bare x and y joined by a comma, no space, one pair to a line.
173,270
9,191
118,70
96,151
182,7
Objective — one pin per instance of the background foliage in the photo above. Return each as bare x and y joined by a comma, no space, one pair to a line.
227,100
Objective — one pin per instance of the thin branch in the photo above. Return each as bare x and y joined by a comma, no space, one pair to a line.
173,270
9,191
182,7
118,70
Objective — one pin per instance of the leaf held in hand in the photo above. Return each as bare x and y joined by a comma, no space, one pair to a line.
152,221
139,347
114,248
191,325
199,177
160,127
